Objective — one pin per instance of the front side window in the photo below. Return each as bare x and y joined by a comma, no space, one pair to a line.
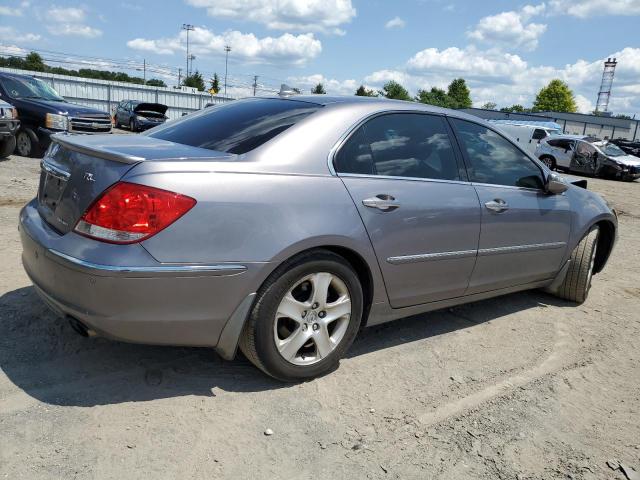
495,160
585,149
235,127
400,145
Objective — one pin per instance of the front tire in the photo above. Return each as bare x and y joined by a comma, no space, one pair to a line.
577,282
305,317
7,146
132,125
549,161
27,143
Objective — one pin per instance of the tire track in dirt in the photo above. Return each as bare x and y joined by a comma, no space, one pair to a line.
555,362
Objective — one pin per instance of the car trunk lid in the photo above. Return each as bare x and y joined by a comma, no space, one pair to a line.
77,169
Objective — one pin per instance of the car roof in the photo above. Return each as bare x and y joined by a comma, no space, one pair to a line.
375,104
17,75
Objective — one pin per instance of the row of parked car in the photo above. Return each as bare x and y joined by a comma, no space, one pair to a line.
31,111
580,154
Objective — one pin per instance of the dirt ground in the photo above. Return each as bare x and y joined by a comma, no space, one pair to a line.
519,387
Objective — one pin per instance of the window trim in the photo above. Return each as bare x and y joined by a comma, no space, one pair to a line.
468,165
351,131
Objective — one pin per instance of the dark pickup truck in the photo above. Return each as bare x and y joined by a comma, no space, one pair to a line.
43,112
8,127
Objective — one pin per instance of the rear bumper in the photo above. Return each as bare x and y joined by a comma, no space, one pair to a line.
144,303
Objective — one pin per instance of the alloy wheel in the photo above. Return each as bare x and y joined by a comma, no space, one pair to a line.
312,318
23,144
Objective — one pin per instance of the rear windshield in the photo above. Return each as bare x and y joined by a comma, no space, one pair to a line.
235,127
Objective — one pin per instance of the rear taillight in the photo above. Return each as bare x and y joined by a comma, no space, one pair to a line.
129,213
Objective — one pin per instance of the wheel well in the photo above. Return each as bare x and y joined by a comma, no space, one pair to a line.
361,268
605,244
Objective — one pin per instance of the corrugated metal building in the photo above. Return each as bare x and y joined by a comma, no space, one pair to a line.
572,123
105,95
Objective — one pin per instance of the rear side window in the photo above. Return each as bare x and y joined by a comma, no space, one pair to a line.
495,160
400,145
235,127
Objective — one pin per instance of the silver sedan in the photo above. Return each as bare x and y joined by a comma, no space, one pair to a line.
284,225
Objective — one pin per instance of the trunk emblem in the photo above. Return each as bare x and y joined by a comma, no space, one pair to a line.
88,176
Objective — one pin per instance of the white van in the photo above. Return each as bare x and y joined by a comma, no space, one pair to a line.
527,136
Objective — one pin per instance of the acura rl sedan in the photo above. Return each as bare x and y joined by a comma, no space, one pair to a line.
283,226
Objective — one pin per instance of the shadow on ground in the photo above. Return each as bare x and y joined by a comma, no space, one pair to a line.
43,356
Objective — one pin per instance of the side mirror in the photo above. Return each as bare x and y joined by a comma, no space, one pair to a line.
555,184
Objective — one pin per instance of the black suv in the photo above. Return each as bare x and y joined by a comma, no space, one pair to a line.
43,112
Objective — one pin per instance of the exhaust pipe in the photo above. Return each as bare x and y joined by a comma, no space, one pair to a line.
80,328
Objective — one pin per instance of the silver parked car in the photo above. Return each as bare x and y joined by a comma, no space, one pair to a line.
284,225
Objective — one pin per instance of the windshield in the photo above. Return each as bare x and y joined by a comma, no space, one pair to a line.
612,150
17,87
235,127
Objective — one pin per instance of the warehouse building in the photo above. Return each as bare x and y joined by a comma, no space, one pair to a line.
572,123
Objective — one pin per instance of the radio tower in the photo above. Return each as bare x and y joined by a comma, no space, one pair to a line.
605,88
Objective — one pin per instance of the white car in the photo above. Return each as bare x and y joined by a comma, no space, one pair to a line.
588,155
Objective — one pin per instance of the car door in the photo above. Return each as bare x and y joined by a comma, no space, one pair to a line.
421,214
524,230
584,159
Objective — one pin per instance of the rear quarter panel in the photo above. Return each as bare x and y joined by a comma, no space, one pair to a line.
254,218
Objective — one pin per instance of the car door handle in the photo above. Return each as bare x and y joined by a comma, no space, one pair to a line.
498,205
383,202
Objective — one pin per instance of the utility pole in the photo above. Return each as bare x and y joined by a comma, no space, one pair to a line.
191,57
144,70
255,84
227,49
188,28
179,75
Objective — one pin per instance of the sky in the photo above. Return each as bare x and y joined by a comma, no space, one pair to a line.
505,50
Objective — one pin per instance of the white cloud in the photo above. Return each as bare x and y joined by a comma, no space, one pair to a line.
70,21
306,15
395,22
589,8
506,79
512,29
246,47
331,86
66,15
10,34
467,61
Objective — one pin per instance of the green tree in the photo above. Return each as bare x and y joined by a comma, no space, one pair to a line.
34,62
555,97
459,93
318,89
365,92
156,82
489,106
436,96
215,83
393,89
195,80
515,108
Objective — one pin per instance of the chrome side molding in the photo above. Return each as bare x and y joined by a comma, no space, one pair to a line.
428,257
186,270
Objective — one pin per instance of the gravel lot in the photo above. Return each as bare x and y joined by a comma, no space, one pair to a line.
520,387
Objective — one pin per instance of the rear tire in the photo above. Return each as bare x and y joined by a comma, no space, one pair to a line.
7,146
324,332
577,282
